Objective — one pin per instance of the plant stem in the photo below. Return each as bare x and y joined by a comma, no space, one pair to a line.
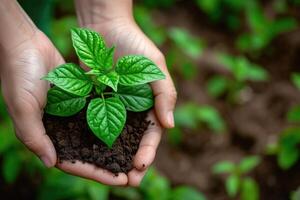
106,93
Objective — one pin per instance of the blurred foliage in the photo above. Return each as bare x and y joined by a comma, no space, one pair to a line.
241,70
237,182
253,27
195,117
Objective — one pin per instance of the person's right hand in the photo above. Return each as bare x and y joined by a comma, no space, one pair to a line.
25,95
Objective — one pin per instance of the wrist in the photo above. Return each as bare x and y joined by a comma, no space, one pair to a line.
93,13
18,26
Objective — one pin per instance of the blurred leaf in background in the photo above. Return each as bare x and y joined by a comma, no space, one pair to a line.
191,115
289,152
262,29
296,79
237,181
40,11
144,19
60,34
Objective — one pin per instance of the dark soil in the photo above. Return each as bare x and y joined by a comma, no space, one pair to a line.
73,141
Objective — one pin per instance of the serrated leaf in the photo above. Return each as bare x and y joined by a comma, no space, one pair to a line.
111,79
138,98
137,70
71,78
61,103
106,118
89,46
106,58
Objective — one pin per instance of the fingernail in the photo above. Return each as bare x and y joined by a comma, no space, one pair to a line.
171,119
46,161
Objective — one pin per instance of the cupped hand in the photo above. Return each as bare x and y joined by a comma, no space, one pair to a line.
129,39
25,96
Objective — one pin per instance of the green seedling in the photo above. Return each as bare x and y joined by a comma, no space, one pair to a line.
262,29
241,70
296,79
113,89
193,116
288,152
237,181
185,50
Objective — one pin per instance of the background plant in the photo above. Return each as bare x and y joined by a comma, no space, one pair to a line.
237,182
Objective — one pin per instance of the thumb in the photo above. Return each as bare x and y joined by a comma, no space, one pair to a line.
165,97
30,130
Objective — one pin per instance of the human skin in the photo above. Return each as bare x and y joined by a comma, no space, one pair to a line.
27,55
115,22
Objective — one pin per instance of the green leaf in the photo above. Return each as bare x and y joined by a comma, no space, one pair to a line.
90,48
137,98
61,103
288,148
137,70
232,185
287,157
184,192
249,163
211,117
97,191
71,78
217,85
189,44
111,79
249,189
106,118
293,114
223,167
11,166
100,88
106,58
296,79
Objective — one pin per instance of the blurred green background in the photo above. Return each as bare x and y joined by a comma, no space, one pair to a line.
236,66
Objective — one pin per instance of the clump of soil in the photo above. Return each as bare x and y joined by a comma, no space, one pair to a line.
74,141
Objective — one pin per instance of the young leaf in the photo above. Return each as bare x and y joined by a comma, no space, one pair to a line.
296,79
137,70
106,58
249,189
61,103
137,98
232,185
111,79
249,163
223,167
106,118
71,78
89,47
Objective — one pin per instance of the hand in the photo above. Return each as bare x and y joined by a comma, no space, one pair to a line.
129,39
25,95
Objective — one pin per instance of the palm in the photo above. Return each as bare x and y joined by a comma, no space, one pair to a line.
129,39
26,95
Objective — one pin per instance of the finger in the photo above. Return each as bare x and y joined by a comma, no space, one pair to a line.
135,177
165,97
149,143
30,130
92,172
